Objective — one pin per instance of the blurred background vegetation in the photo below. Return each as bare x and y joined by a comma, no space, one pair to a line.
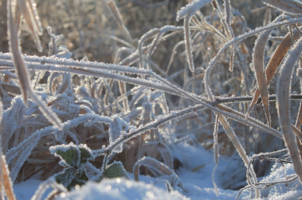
88,24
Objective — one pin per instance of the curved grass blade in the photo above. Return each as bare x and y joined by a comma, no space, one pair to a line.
152,164
187,13
283,93
231,134
29,13
13,20
118,17
258,61
165,154
274,63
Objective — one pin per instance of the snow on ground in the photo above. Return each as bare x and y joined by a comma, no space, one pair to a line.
198,183
120,189
26,189
290,191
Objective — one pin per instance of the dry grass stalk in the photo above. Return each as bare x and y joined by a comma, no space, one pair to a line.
297,132
227,21
187,13
274,62
188,42
258,62
14,15
240,150
284,106
6,182
156,40
118,17
174,51
145,37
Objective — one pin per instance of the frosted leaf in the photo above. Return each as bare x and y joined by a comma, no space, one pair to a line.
115,170
86,153
75,159
27,145
71,177
66,177
69,153
73,155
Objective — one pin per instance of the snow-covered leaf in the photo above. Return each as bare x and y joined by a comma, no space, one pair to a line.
86,155
115,170
71,177
66,177
70,154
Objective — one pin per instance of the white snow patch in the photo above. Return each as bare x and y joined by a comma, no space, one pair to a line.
121,189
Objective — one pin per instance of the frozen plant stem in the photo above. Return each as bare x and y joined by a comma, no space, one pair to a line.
153,125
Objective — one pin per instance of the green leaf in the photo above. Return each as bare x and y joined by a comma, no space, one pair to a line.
75,157
85,155
71,177
66,177
116,170
80,179
71,156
